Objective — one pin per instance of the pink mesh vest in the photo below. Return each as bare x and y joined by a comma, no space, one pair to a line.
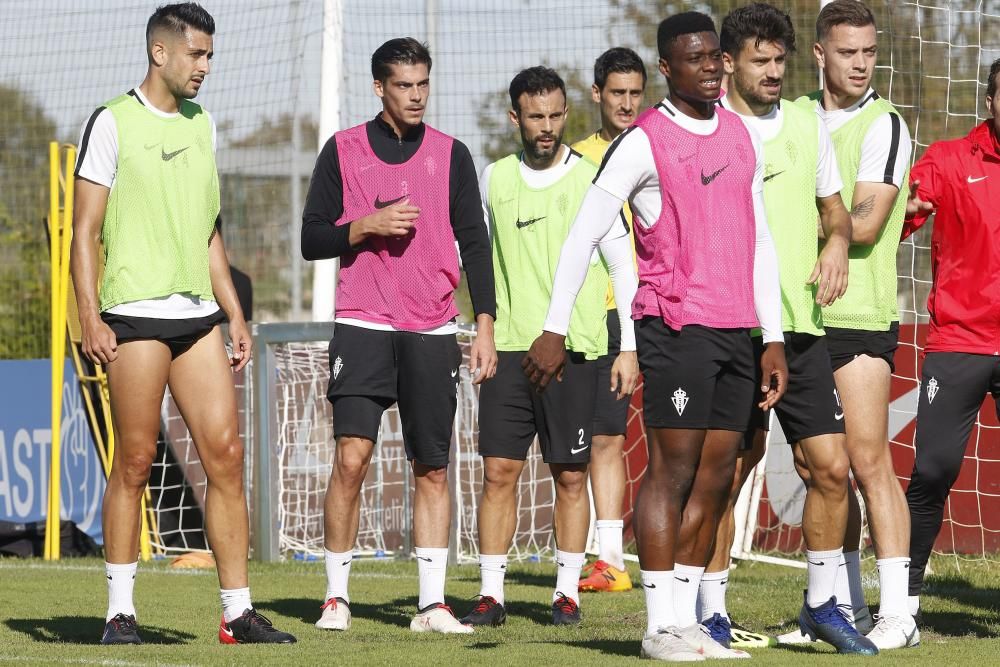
696,262
407,282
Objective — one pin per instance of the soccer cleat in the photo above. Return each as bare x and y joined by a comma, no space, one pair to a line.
720,629
121,630
667,644
438,618
565,611
894,631
829,623
743,638
486,612
336,615
699,639
605,577
252,628
861,619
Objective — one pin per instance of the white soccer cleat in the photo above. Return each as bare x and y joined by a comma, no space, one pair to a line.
667,644
336,615
700,640
796,636
894,631
861,619
439,618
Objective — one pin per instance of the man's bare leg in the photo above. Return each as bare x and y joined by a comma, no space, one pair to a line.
497,522
431,522
572,521
607,479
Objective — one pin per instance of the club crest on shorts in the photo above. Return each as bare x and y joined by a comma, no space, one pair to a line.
932,389
680,400
338,364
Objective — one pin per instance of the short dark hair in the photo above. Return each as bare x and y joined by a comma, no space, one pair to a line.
617,59
684,23
179,17
760,22
840,12
534,81
991,80
399,51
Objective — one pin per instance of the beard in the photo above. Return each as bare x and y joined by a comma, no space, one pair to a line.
532,148
750,93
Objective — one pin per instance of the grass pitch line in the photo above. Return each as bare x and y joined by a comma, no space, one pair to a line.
155,569
84,661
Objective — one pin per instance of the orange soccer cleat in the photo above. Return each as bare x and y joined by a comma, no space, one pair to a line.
605,577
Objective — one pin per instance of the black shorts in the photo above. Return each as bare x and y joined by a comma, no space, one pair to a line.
846,344
178,335
370,370
698,377
610,412
811,406
511,412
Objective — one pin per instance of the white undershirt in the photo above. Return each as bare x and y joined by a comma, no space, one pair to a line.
98,162
629,174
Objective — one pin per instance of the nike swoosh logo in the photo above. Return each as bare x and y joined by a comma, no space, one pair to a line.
424,558
382,204
574,450
970,179
521,224
346,562
815,563
650,585
167,157
225,629
705,180
454,372
683,579
838,417
770,176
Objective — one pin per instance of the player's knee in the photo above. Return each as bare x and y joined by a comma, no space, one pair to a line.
832,478
500,474
228,460
571,483
431,477
934,480
131,470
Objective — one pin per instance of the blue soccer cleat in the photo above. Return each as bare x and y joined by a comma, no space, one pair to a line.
828,623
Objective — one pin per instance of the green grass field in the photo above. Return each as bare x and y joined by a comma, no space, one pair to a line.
53,614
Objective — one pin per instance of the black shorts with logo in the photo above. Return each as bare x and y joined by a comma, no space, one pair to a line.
511,412
178,335
811,405
846,344
610,412
370,370
698,377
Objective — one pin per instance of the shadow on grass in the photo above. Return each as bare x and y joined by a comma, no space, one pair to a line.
528,578
622,647
87,630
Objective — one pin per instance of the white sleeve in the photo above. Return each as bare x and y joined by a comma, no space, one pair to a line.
215,132
597,215
97,152
828,181
617,255
627,166
766,286
484,192
885,152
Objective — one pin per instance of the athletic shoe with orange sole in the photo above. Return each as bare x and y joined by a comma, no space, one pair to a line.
605,577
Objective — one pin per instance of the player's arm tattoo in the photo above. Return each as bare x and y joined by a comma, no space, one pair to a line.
863,208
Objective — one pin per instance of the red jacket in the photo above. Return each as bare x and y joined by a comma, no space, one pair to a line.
961,177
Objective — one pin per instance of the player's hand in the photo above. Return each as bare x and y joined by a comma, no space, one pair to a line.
545,359
483,355
98,342
774,371
242,344
625,373
830,273
914,204
395,220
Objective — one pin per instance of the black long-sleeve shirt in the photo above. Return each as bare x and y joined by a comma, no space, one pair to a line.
322,238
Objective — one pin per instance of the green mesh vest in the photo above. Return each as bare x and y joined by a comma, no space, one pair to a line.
162,206
527,232
870,301
790,201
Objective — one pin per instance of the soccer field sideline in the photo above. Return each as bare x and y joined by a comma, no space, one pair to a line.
56,617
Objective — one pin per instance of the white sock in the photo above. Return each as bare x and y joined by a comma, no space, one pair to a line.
822,568
492,570
712,595
338,571
121,580
431,567
568,574
659,589
686,581
235,601
894,583
609,537
852,562
913,602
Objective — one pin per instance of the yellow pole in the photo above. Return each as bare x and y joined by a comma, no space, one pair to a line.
51,522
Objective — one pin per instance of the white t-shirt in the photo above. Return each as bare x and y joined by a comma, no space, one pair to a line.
97,161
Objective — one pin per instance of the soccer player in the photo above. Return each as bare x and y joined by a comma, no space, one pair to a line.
801,180
390,197
960,180
619,84
862,329
531,199
693,176
146,184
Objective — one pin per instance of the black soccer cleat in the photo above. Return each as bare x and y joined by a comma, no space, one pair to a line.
486,612
252,628
565,611
828,623
121,630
